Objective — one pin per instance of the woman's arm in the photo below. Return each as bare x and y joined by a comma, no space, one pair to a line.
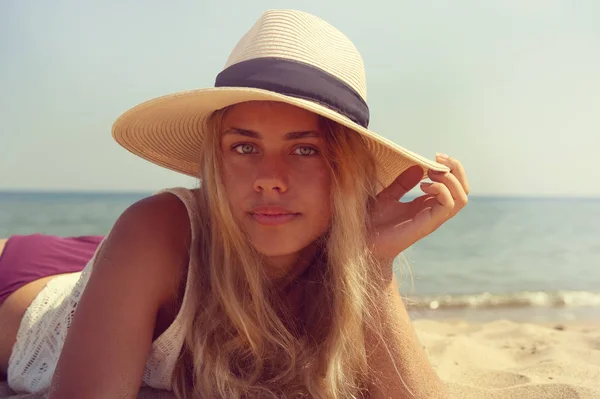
136,272
400,365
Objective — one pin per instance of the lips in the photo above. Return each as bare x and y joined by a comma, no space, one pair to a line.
273,215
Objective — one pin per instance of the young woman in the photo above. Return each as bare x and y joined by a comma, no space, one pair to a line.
273,278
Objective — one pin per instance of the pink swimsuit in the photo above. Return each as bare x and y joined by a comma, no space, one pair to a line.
27,258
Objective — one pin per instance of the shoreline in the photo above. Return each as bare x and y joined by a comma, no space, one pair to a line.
582,315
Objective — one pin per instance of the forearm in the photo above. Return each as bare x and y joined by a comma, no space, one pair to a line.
395,355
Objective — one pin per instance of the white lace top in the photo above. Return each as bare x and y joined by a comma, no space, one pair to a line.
44,327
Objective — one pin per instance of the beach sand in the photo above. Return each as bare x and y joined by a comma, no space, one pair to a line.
505,359
500,360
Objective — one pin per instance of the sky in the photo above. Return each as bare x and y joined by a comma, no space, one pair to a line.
511,88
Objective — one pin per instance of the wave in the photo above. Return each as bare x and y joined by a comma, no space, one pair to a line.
488,300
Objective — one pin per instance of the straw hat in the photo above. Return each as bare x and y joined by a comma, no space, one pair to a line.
288,56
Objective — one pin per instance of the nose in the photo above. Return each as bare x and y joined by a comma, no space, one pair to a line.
271,175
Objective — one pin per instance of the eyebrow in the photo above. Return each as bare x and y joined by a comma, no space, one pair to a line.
256,135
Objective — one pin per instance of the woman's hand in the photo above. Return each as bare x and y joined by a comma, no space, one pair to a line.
397,225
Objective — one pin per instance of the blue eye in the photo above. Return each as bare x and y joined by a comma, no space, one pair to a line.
245,148
305,151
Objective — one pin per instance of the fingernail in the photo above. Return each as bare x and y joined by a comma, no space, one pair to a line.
443,156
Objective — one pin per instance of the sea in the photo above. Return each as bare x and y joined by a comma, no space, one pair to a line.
523,259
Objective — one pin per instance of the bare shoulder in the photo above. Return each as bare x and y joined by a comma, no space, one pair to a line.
156,229
160,211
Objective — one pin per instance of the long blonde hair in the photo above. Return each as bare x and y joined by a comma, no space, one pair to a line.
237,343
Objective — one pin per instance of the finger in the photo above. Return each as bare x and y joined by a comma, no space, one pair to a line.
442,209
457,169
456,189
430,202
405,182
420,200
418,204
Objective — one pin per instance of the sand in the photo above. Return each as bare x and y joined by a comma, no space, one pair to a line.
504,359
500,359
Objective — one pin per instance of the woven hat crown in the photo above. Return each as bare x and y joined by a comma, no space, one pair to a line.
302,37
287,56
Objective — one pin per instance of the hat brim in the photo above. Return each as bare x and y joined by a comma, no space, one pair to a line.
168,130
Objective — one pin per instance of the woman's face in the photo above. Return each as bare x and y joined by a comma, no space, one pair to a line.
276,176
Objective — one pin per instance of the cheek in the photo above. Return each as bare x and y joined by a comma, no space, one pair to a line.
316,189
235,180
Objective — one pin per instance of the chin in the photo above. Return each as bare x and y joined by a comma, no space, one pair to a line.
282,241
276,248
